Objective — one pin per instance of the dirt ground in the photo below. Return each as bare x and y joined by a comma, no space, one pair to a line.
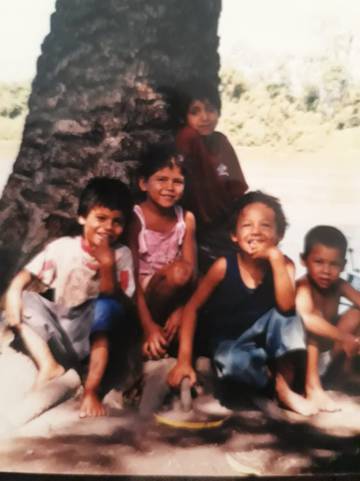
260,439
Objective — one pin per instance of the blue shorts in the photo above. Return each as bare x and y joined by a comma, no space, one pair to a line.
106,313
68,331
246,358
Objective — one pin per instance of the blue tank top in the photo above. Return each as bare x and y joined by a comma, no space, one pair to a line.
234,307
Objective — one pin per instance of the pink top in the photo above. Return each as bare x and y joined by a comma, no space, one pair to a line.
157,249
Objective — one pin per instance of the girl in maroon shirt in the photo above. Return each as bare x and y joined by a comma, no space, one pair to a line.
215,179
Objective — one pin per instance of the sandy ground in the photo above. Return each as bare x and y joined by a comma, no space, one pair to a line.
257,438
314,187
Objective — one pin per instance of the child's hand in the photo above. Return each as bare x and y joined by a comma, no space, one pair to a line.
104,253
155,344
179,372
351,345
264,250
172,324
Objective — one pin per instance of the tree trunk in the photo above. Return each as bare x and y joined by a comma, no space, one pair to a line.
95,103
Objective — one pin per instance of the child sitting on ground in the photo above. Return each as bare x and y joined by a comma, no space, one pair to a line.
246,305
318,295
215,179
162,240
92,278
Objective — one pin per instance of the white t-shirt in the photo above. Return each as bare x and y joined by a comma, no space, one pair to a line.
66,266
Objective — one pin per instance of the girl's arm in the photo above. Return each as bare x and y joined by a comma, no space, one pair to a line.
189,253
189,256
155,342
13,303
204,290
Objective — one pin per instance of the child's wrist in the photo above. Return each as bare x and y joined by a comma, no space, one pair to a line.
275,255
107,263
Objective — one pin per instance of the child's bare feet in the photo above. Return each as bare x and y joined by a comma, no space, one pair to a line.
297,403
291,400
91,406
48,372
322,400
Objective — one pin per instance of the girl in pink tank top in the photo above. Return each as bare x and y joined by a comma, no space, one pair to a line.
162,240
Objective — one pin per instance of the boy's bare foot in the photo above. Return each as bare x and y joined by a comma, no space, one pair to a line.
47,373
322,400
293,401
91,406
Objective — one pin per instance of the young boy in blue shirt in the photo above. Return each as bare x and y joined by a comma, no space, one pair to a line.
92,278
318,295
246,305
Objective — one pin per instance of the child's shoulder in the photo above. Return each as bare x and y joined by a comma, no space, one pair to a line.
289,263
189,217
302,282
123,254
64,242
218,269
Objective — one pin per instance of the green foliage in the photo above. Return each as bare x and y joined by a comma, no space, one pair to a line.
13,109
263,112
311,98
233,84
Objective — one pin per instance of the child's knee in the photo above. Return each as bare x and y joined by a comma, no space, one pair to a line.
180,274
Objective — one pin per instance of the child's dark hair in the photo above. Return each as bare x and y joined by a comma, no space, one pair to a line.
187,93
327,235
105,192
158,156
270,201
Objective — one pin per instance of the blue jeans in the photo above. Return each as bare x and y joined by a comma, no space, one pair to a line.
246,358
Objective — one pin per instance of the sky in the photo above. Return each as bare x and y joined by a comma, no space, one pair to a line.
271,27
23,26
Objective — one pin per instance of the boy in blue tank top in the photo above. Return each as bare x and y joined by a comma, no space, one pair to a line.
246,304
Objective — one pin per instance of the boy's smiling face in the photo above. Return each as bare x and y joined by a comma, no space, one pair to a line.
324,265
102,225
202,116
256,227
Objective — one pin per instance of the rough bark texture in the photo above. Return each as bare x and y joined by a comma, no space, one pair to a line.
96,103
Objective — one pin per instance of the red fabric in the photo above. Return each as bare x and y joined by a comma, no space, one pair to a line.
213,173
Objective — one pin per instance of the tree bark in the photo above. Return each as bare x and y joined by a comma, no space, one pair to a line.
96,101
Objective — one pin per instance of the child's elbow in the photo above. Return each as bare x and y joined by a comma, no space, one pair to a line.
287,308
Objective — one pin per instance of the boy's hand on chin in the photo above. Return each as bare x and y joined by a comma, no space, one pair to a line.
264,250
104,253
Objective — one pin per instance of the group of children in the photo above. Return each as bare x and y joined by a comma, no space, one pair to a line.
238,296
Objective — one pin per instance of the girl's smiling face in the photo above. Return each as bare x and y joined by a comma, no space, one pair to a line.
165,187
202,116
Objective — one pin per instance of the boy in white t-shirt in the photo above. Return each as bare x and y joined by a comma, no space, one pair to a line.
92,278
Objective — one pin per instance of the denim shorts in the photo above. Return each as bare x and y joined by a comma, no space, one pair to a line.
246,358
